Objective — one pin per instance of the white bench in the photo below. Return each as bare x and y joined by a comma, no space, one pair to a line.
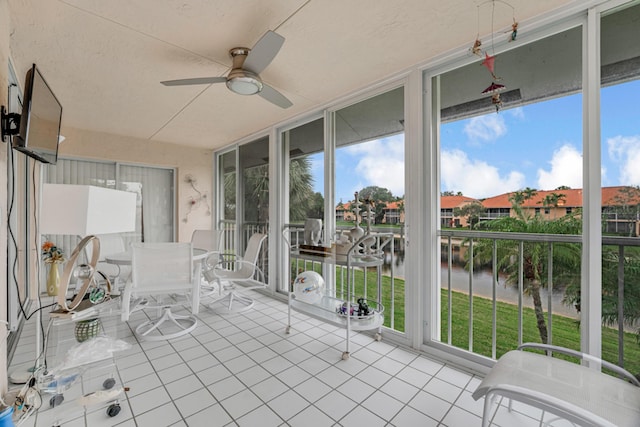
581,394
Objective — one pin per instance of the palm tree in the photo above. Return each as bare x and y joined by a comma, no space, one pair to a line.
256,191
300,188
566,256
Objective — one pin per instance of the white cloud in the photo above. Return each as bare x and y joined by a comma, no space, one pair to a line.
485,128
475,178
625,152
517,112
566,169
381,164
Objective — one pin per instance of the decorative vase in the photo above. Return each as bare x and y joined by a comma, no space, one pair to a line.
87,329
53,279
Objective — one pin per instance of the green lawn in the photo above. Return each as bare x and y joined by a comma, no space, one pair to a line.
565,331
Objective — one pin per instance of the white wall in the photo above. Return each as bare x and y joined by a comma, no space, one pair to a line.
196,162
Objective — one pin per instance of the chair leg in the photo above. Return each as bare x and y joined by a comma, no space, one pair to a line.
233,302
185,323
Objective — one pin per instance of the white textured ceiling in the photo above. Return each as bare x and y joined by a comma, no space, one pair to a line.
105,59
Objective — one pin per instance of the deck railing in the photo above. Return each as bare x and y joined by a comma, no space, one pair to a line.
458,246
229,241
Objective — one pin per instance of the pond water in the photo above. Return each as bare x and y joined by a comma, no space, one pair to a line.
483,286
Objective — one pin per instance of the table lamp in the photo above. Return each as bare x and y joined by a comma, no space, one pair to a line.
84,211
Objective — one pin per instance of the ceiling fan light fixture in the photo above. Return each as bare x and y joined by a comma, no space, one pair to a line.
244,82
244,85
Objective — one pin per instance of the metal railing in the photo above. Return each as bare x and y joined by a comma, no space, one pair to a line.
229,241
458,248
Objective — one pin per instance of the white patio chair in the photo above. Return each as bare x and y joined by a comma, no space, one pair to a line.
162,271
230,274
211,241
583,395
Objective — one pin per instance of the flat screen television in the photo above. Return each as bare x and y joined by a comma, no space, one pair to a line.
40,120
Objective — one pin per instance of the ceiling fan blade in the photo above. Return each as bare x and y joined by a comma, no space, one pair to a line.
194,81
263,52
274,97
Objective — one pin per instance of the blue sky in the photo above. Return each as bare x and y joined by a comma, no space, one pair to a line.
537,146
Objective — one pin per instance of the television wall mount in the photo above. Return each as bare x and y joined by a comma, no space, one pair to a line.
9,122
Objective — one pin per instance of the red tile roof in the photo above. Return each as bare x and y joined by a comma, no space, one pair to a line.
450,202
611,196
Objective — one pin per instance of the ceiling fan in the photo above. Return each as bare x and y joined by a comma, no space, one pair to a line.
244,77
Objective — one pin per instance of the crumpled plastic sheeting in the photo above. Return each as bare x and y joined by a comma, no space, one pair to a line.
90,351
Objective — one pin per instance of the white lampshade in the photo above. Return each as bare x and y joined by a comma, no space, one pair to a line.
83,210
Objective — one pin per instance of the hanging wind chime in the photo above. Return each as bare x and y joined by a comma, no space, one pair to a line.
489,61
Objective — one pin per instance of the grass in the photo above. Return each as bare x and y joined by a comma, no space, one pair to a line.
565,331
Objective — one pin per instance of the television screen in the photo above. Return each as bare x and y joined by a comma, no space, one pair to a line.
40,120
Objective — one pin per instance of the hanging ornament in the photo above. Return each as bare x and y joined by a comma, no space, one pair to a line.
494,90
489,62
496,101
514,31
476,49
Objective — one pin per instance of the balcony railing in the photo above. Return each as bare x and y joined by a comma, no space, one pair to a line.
229,241
476,305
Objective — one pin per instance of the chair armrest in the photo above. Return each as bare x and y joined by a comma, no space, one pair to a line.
545,402
226,273
583,356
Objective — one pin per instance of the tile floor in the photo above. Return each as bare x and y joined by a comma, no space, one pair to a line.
243,370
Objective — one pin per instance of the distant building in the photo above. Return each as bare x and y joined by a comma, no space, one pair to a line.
447,206
394,213
620,208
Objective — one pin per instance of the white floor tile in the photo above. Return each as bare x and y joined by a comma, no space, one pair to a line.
164,415
356,390
288,404
460,417
150,400
253,375
212,416
311,417
183,386
244,370
226,387
408,417
312,389
383,405
335,405
293,376
443,390
269,389
241,403
374,377
194,402
262,416
361,416
454,376
430,405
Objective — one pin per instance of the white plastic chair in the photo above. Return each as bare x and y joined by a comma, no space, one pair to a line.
229,273
162,270
211,241
580,394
